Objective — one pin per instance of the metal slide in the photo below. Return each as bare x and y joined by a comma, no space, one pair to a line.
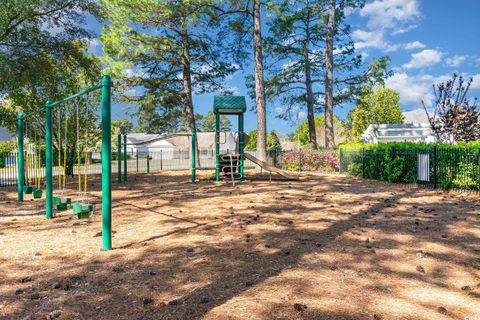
269,167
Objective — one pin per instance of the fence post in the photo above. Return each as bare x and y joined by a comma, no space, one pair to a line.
194,178
119,157
434,166
340,162
148,161
125,160
20,161
161,159
363,163
136,156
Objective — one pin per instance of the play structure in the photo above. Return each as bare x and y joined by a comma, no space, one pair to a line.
29,163
231,163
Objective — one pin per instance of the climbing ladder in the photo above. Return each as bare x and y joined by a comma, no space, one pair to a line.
229,166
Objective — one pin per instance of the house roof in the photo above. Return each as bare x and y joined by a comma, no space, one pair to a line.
404,131
206,140
416,116
142,138
5,135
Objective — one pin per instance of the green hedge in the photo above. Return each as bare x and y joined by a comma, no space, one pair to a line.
458,166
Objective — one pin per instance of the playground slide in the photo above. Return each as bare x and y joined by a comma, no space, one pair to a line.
269,167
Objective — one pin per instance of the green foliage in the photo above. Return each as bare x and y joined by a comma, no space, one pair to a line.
161,52
302,131
376,107
457,165
273,142
7,146
207,123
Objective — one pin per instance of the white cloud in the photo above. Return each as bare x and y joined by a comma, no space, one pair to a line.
387,17
384,14
372,39
424,58
233,90
414,89
414,45
279,110
456,61
93,45
476,82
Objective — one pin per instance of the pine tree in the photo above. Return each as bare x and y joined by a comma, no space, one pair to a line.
165,51
297,66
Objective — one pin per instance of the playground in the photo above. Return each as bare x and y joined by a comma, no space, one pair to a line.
324,246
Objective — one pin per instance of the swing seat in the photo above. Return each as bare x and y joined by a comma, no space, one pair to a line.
83,210
28,189
37,193
62,203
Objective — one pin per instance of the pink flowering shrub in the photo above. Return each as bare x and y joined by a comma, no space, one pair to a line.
325,161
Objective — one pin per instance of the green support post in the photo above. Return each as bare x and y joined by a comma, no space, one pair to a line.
125,160
48,161
241,146
194,137
106,164
20,161
119,158
217,147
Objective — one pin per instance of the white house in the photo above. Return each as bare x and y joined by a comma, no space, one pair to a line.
178,145
407,132
415,129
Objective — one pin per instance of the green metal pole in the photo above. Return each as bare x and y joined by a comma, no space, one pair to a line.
217,147
125,163
20,161
194,137
241,146
119,158
48,160
106,164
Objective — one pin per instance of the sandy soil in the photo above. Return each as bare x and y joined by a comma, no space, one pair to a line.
324,247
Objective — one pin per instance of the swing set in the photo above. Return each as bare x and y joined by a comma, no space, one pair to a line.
29,168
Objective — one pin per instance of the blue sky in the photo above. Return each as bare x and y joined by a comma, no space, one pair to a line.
427,41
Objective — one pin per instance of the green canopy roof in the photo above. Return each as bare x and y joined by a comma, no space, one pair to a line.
229,104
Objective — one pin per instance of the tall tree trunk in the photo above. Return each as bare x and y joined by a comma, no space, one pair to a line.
259,83
187,80
309,85
329,134
187,84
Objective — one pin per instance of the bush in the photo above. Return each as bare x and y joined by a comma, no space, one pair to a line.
458,166
311,161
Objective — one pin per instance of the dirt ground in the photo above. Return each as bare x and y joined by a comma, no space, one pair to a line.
324,247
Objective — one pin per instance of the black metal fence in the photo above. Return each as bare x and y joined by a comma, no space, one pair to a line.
8,169
435,167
